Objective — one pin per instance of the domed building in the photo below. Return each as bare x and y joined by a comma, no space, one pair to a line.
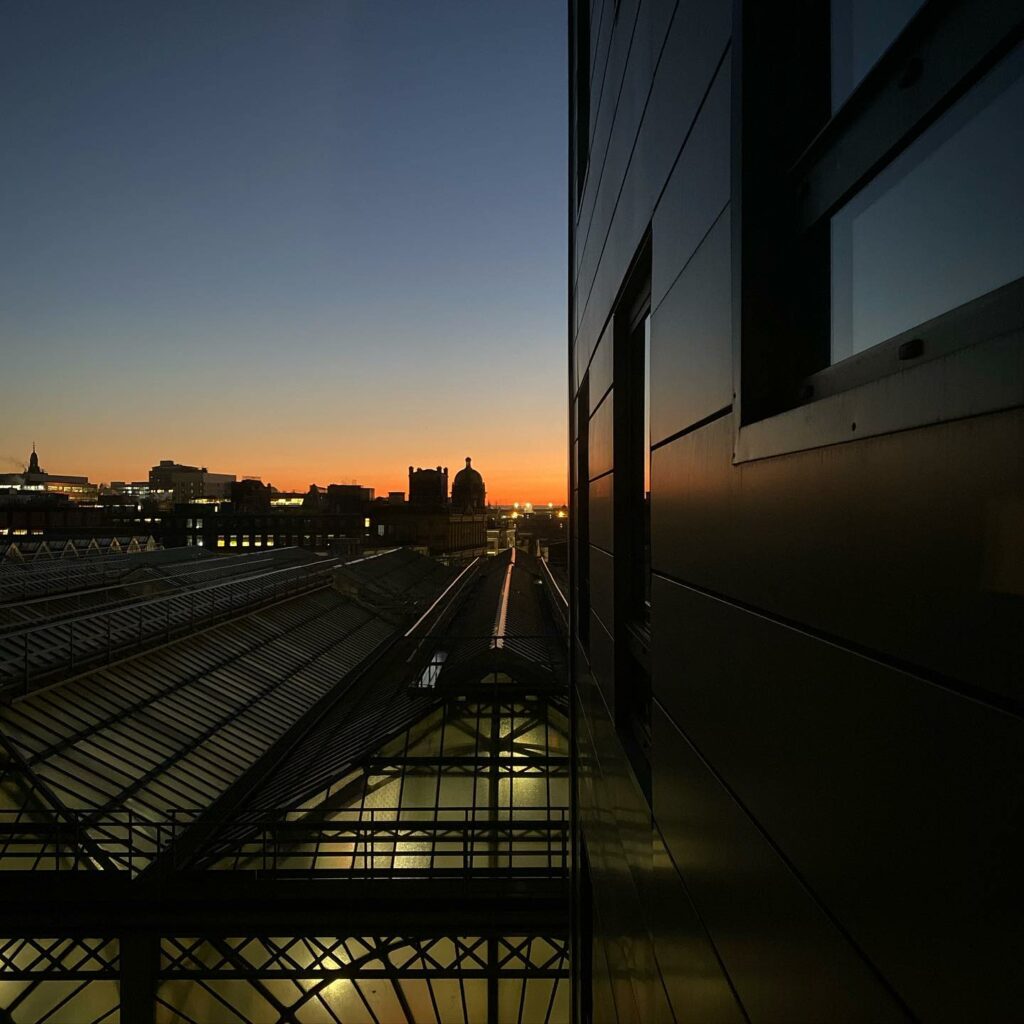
468,491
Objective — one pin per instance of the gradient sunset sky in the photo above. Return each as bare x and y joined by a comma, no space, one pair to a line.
306,240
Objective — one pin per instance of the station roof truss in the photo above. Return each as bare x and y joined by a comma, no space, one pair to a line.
388,749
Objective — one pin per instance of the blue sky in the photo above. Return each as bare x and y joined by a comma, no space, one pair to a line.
289,239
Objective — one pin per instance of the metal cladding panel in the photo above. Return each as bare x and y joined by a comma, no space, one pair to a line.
602,659
606,83
836,661
786,959
896,801
602,587
601,513
619,838
696,985
637,48
898,544
697,190
691,339
684,73
601,449
601,368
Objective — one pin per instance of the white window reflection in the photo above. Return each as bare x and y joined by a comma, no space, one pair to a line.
940,226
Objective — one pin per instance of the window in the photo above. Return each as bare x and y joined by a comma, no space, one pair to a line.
582,511
581,91
632,517
634,462
940,225
881,271
861,33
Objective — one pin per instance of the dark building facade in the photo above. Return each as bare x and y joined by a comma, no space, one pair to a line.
439,530
428,486
250,496
184,482
189,482
226,528
796,421
54,517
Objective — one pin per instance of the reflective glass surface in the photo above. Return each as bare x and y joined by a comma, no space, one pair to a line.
941,225
862,30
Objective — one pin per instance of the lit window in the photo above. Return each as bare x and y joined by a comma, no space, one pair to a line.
233,543
366,523
270,542
245,540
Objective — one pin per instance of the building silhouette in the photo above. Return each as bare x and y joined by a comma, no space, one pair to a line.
35,481
186,483
428,487
468,491
796,575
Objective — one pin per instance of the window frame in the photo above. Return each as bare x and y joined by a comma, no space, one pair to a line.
580,80
632,633
786,187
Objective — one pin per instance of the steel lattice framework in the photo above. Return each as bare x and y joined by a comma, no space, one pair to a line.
247,791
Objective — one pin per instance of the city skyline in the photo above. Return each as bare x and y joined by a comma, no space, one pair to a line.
290,245
10,463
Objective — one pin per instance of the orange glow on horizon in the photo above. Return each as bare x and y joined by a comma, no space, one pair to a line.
536,477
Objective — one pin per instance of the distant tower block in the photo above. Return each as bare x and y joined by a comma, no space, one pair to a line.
468,491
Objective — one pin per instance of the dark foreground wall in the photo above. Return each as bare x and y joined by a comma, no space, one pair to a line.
800,763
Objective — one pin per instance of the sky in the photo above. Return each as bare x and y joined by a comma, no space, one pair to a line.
305,240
